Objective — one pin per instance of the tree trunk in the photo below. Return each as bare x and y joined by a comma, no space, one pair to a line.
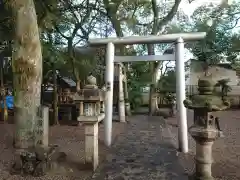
158,25
127,103
27,70
55,96
4,110
152,100
72,59
117,27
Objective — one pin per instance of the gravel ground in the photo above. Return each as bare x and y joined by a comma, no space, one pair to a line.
71,141
148,151
144,152
226,150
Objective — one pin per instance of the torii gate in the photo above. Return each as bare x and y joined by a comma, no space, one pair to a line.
180,71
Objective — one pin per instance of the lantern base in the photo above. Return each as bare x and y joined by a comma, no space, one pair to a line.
195,177
204,134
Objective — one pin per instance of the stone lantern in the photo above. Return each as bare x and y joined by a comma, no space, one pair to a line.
90,99
205,129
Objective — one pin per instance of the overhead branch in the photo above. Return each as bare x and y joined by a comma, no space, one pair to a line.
59,31
169,16
155,17
234,25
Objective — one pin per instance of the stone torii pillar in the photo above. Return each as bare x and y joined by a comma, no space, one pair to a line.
121,103
166,38
109,77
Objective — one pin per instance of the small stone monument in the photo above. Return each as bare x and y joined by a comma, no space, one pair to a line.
205,129
37,160
42,127
90,99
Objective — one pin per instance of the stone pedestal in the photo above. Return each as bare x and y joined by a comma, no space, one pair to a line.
91,144
90,124
204,141
204,161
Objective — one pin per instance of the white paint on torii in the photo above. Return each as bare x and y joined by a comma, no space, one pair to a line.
164,57
180,71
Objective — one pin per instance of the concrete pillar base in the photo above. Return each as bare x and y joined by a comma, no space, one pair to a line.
122,119
128,109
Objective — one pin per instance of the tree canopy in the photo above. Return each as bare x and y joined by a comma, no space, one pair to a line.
68,24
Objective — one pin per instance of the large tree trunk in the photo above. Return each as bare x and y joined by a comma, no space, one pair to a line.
126,95
152,98
117,27
72,59
27,69
158,25
4,110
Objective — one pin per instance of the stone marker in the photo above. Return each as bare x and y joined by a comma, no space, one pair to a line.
42,128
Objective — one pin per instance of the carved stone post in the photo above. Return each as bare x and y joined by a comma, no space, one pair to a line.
205,129
45,125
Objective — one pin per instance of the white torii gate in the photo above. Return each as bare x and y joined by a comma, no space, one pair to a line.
180,71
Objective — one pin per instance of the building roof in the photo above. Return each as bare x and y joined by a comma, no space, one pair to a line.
69,81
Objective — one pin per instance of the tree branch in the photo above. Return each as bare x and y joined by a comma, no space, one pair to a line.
233,26
170,15
59,31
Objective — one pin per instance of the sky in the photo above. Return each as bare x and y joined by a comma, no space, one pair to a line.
189,8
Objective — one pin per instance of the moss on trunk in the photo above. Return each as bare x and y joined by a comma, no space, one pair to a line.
27,71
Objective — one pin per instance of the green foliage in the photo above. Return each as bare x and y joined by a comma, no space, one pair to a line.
59,19
167,83
135,94
219,44
225,88
140,72
6,28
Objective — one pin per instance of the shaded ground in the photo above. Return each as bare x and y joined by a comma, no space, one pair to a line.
148,151
144,152
71,141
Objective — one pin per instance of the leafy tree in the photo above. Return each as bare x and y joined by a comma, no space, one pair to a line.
167,83
219,23
225,88
76,25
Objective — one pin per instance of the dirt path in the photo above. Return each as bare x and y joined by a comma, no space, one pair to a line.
144,152
145,149
71,141
148,151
